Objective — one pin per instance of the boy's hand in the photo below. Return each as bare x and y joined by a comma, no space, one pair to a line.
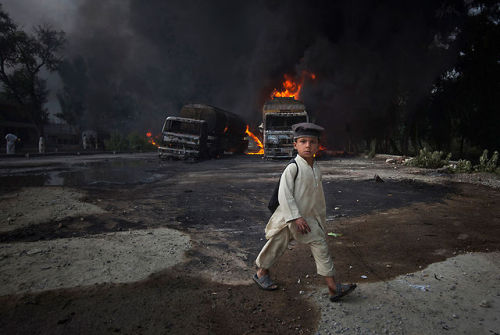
302,225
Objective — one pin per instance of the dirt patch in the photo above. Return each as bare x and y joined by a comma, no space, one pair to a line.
36,205
105,258
164,304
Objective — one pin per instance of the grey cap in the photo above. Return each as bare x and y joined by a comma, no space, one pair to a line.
306,129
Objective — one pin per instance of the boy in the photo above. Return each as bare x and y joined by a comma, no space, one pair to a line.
301,214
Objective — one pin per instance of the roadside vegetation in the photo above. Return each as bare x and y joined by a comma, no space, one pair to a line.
430,159
437,159
131,142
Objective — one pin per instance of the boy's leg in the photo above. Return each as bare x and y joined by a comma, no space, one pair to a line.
325,268
274,248
330,282
323,259
324,263
316,240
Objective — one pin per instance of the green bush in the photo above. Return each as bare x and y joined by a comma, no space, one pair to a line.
136,142
132,142
116,142
485,164
463,166
430,159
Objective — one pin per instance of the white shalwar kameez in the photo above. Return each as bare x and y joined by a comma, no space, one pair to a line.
11,144
302,198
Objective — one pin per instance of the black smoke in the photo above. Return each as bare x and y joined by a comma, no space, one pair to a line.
145,59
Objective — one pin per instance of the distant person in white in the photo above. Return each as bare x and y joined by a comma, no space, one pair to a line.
11,143
85,142
41,145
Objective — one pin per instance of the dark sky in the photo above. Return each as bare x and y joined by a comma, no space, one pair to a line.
231,54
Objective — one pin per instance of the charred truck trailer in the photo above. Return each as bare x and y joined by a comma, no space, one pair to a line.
278,116
202,131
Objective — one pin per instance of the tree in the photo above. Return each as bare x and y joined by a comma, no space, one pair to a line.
465,101
22,57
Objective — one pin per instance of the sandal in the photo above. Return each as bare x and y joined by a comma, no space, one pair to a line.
265,282
342,290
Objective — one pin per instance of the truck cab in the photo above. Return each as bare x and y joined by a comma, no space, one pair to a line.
279,115
183,138
202,131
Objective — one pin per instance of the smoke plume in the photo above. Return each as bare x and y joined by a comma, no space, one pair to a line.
145,59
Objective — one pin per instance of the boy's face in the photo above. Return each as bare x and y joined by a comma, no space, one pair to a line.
306,147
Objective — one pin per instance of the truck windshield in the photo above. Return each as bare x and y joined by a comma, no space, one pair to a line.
282,122
175,126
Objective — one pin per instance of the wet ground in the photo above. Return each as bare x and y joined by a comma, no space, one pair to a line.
108,172
388,228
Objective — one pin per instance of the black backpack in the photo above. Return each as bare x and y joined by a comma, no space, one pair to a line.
274,202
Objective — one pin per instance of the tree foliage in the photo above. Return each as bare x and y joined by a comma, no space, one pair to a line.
22,57
465,101
460,113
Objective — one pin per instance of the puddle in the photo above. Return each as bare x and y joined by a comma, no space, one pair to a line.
90,174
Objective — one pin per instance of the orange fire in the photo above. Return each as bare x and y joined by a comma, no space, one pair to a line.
151,140
291,87
257,141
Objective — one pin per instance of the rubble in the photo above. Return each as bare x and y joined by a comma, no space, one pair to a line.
485,304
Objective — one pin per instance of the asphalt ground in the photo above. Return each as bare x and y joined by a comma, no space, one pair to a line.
399,226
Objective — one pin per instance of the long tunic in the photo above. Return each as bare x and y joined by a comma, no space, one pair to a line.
302,198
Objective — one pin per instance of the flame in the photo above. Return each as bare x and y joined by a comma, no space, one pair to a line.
322,149
151,139
291,87
257,141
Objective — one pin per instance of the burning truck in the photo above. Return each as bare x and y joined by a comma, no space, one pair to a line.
278,116
202,131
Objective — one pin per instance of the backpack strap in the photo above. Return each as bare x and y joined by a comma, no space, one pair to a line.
297,165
